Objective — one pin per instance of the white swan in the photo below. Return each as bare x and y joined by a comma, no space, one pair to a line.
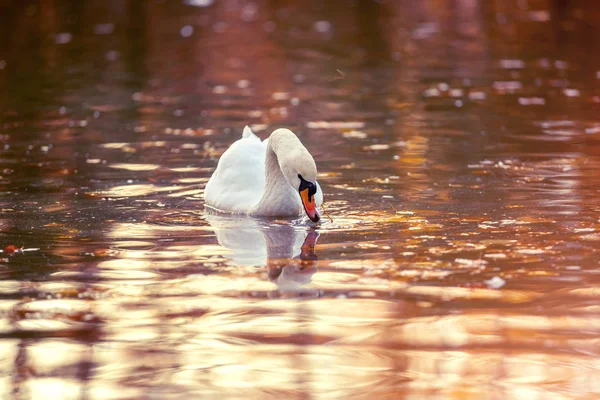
273,178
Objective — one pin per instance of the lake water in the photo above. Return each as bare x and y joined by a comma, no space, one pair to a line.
458,147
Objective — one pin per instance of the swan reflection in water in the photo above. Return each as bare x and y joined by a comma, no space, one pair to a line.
287,250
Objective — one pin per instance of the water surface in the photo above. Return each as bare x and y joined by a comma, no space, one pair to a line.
458,146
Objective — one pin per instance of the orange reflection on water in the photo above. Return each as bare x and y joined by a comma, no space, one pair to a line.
457,144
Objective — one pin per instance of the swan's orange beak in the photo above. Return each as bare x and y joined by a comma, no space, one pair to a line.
309,205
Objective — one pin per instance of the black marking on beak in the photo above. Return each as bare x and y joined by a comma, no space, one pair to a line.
304,184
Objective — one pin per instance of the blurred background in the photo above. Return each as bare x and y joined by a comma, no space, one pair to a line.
458,147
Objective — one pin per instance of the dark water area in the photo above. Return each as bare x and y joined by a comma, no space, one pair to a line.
458,147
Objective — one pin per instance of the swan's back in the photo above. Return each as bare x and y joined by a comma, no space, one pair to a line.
238,182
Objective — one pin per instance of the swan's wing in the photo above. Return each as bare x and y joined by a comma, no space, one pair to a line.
237,184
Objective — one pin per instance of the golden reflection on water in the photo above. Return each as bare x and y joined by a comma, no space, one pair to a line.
214,346
222,334
457,144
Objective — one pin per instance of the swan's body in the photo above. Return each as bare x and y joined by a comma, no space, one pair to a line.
268,178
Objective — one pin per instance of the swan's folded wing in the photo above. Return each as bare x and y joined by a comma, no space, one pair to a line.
238,182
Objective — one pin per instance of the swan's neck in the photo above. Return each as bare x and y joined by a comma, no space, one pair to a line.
279,198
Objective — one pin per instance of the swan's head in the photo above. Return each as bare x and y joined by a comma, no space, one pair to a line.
298,167
307,190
